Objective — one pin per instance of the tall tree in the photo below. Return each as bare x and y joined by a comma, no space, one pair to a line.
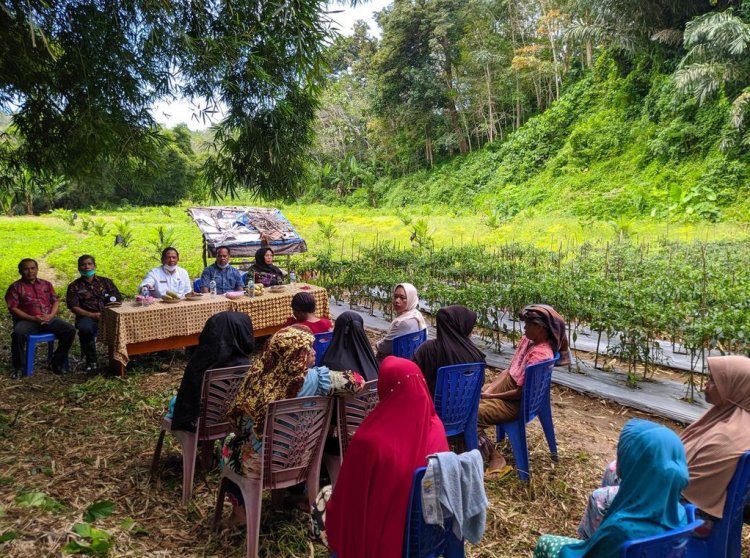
81,76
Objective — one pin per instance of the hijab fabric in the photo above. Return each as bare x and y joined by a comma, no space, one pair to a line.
452,344
715,442
366,515
555,324
350,348
226,340
411,312
653,472
262,266
277,374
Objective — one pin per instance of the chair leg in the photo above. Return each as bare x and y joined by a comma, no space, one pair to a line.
545,417
499,433
454,548
253,502
189,449
30,352
157,453
219,503
517,435
471,435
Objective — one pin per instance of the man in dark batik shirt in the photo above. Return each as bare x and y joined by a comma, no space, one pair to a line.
33,305
86,298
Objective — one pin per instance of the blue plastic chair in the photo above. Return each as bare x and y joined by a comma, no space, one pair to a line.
405,345
31,344
457,400
672,544
243,276
725,538
427,541
534,403
197,285
321,343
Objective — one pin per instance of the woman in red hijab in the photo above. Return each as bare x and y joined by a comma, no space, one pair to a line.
366,515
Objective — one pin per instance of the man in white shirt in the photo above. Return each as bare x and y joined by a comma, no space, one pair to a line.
168,276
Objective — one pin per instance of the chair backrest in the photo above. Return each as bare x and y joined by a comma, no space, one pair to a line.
726,534
457,395
243,277
293,439
321,343
422,540
672,544
536,387
197,285
353,408
220,385
404,345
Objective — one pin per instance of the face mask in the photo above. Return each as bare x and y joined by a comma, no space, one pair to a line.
222,266
88,273
169,268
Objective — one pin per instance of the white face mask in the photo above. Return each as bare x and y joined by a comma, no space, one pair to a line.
170,268
224,266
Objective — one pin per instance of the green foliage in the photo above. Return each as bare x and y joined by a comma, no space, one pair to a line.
94,542
98,510
125,232
39,500
66,215
165,237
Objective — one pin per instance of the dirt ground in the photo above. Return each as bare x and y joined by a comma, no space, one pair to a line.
79,441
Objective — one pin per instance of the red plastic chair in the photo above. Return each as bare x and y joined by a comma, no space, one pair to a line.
352,410
293,440
219,388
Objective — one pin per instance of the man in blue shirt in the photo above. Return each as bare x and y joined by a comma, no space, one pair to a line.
227,277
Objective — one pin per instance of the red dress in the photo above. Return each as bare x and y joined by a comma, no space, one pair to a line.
366,515
321,326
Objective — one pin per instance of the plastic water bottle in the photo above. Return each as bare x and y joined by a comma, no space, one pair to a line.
144,293
292,277
212,287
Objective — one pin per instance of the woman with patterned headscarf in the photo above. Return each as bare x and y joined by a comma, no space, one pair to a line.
408,318
544,335
283,371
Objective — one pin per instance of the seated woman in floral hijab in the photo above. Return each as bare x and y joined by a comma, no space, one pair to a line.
284,370
501,401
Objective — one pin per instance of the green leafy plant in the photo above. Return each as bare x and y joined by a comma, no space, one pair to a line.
99,226
39,500
124,231
93,541
66,215
165,237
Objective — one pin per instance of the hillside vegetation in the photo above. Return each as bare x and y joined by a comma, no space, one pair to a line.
615,145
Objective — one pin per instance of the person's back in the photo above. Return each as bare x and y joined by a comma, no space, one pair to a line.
367,511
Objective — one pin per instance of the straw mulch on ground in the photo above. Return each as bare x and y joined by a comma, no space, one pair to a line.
78,441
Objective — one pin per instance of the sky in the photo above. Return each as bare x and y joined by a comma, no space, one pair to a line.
182,111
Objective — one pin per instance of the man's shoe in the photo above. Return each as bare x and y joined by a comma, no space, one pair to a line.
15,374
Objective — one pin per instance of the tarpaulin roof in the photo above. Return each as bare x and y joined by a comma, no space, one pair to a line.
245,229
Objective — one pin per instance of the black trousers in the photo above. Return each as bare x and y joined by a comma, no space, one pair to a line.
64,331
87,330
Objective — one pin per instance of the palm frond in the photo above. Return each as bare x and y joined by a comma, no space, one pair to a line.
740,109
672,37
700,80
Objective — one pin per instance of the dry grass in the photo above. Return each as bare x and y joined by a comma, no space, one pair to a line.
81,440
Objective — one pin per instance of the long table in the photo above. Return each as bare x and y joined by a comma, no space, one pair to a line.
132,329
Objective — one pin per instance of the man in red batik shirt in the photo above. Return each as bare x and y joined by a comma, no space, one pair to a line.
33,305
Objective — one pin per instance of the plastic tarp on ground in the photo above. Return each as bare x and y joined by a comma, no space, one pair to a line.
245,229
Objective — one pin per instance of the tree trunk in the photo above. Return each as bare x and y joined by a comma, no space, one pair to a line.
450,104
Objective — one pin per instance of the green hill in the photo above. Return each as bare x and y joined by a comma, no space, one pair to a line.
619,143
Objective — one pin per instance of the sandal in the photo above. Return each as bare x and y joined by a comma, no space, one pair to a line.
498,473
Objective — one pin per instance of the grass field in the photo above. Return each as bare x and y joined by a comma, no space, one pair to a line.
57,244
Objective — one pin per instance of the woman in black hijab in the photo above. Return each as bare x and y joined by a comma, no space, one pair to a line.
226,340
350,349
453,344
263,270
